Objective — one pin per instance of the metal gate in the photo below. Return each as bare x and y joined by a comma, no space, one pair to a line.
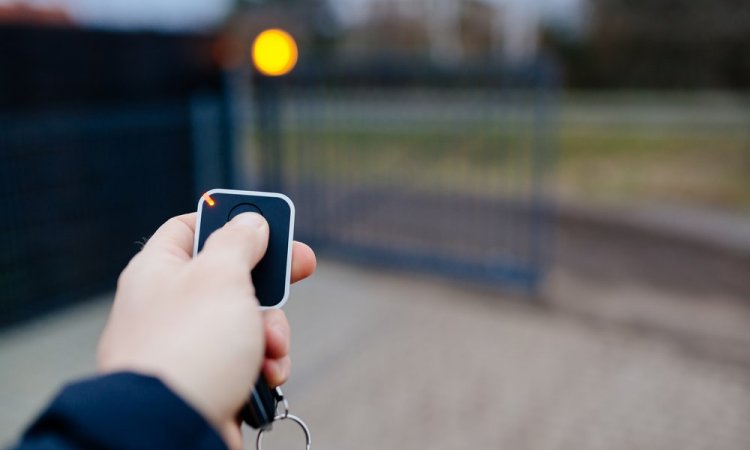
437,170
81,187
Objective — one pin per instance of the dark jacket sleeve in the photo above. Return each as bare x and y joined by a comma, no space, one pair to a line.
120,411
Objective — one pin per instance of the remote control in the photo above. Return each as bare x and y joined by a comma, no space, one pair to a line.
271,277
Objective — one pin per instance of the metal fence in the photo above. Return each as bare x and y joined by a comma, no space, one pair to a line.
96,149
441,171
80,188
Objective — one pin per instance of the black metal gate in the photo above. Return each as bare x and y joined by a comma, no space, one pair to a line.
101,140
80,188
437,170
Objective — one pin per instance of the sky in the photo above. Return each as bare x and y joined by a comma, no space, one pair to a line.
566,11
143,14
205,14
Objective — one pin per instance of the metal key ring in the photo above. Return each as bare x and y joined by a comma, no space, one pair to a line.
285,416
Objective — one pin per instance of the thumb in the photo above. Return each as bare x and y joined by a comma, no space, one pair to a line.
238,245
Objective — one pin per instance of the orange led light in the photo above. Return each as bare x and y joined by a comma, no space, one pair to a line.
207,198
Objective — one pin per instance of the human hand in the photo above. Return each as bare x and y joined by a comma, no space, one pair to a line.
195,322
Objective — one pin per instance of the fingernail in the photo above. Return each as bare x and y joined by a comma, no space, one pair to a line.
250,219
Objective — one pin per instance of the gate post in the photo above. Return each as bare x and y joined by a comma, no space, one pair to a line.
268,113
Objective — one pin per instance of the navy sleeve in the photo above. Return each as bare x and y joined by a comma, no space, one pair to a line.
120,411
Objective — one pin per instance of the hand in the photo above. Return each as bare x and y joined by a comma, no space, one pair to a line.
195,322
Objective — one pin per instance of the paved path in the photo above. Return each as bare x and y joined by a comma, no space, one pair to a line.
385,361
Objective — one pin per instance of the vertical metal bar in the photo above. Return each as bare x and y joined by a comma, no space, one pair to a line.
205,132
268,107
546,83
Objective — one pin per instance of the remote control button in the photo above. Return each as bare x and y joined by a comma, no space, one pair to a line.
243,208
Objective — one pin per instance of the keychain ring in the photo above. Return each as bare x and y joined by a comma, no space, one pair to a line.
286,416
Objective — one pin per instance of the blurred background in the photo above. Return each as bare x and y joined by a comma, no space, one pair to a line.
532,216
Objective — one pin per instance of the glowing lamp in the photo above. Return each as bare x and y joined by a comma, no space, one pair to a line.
275,53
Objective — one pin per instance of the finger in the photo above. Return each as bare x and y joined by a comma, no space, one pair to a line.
277,371
175,237
303,261
277,333
237,246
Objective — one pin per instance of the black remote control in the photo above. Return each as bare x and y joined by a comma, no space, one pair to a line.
271,276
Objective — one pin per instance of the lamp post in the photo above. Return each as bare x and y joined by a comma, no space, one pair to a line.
274,55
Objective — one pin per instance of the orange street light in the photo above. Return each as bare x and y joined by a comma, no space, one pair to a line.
275,53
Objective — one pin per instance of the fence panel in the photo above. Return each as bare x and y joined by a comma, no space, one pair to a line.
79,190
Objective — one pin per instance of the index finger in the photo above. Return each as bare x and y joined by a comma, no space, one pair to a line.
303,261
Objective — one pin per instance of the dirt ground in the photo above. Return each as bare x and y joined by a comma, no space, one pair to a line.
391,360
639,339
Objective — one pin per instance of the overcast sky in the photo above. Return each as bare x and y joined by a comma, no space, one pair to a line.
147,14
197,14
353,11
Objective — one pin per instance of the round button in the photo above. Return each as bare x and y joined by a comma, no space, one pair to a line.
243,208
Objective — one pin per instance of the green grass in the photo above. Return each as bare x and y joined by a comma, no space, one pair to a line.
697,165
646,147
466,161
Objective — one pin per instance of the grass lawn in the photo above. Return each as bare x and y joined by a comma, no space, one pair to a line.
689,149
